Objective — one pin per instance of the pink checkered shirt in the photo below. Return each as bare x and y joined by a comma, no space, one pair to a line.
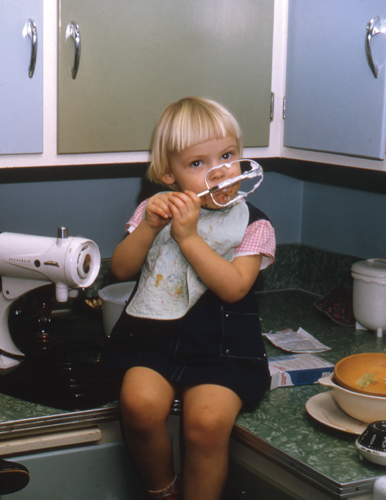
259,237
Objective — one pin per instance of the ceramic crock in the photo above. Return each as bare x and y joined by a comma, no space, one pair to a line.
369,294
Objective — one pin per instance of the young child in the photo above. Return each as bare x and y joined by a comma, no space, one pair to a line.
192,329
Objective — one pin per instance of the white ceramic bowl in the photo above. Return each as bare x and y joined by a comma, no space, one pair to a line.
114,298
362,407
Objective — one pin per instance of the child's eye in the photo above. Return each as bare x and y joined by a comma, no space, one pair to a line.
226,156
196,163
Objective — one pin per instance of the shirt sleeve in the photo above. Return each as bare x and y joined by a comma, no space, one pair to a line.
259,238
136,217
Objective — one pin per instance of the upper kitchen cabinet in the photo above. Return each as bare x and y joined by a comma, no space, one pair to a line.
335,80
121,62
21,77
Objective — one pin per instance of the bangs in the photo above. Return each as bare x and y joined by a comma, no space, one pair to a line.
200,124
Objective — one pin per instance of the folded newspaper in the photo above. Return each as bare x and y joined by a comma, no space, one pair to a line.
296,342
297,369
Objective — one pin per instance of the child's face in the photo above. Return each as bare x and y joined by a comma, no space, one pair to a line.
189,167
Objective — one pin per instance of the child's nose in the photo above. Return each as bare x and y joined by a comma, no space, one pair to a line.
217,175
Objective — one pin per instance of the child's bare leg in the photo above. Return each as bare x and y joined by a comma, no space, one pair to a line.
146,398
209,412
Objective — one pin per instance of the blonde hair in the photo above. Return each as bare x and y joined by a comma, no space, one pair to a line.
187,122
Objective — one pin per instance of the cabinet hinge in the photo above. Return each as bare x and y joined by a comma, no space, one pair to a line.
272,108
284,105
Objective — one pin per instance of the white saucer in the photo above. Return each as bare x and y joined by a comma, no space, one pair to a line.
323,408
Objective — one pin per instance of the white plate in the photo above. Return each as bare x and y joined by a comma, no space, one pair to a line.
323,408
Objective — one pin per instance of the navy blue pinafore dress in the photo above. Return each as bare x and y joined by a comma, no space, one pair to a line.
213,343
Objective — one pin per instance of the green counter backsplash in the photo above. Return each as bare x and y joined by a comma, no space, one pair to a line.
306,268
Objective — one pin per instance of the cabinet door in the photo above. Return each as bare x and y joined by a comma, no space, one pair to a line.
21,96
334,103
139,56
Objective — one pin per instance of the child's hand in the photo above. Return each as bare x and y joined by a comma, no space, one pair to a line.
185,209
157,212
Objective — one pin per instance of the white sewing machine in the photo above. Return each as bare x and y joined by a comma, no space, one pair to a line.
28,262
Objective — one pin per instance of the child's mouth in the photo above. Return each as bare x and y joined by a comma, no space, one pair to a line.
224,196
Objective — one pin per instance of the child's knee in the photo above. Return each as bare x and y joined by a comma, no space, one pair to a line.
207,429
140,411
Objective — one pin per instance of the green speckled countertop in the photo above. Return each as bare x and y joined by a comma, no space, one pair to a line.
281,422
280,425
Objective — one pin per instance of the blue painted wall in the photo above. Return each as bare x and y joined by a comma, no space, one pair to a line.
332,208
344,211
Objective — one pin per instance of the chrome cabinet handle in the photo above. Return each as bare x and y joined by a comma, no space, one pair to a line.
73,31
373,28
31,31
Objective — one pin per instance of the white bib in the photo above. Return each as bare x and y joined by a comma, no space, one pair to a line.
168,286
